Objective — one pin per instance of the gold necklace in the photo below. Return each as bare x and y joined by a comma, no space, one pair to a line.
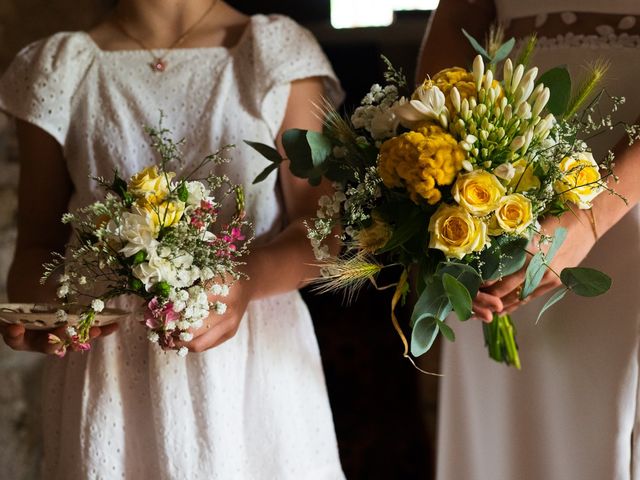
159,63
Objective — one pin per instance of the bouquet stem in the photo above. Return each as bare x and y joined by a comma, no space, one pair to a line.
500,339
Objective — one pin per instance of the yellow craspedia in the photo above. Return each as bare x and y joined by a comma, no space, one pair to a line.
457,77
420,161
456,232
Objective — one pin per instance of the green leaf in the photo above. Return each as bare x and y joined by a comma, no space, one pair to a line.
465,274
447,331
559,237
555,298
298,152
559,82
265,173
533,275
586,282
505,256
119,186
320,147
459,297
476,46
183,192
423,335
433,302
406,227
266,151
504,51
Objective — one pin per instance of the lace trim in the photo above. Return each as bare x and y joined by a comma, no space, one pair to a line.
612,40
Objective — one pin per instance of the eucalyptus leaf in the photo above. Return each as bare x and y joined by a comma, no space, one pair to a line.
586,282
476,46
266,151
320,146
458,295
555,298
504,50
433,302
447,331
558,81
464,274
533,275
298,151
504,257
559,237
423,335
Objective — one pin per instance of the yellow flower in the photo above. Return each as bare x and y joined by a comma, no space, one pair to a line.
478,192
375,236
513,215
456,232
524,179
164,214
420,161
581,182
457,77
151,184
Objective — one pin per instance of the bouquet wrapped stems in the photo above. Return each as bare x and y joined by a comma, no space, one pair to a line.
499,337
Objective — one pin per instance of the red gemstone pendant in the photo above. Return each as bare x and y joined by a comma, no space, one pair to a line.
158,65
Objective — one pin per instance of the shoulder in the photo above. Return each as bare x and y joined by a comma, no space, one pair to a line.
58,52
280,30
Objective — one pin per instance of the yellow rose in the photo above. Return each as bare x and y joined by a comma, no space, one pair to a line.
513,215
478,192
581,180
151,184
457,233
524,178
374,237
164,214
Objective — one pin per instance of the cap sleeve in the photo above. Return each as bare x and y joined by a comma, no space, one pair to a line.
283,52
38,86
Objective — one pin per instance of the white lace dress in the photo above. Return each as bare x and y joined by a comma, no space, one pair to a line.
572,412
255,407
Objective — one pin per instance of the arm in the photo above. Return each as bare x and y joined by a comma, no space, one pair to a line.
607,211
444,29
285,263
43,196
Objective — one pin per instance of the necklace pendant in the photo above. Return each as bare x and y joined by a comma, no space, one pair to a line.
158,65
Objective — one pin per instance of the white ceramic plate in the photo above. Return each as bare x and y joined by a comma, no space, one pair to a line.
42,316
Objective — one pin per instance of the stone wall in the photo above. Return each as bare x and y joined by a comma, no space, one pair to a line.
22,22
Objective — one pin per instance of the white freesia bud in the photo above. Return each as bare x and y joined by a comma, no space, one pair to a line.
536,91
491,97
503,103
508,112
499,133
484,135
507,71
428,104
464,108
478,70
528,136
541,102
443,119
472,103
455,98
488,80
466,165
517,143
524,111
517,76
506,171
464,145
470,139
480,110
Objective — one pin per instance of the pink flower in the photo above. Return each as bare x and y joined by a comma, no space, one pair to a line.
158,315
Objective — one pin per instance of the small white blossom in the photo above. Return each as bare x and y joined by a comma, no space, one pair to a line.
170,326
186,336
97,305
63,291
82,280
153,336
182,352
219,308
61,315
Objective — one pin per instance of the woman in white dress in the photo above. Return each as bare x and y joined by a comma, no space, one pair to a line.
255,406
572,412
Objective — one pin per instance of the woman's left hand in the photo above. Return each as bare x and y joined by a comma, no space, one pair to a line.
218,328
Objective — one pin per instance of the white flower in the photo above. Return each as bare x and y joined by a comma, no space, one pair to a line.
71,331
153,336
384,124
182,352
219,308
97,305
225,291
82,280
505,171
179,306
63,291
137,231
170,326
186,336
61,315
428,104
197,193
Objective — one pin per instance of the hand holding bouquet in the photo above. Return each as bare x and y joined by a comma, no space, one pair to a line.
450,182
157,237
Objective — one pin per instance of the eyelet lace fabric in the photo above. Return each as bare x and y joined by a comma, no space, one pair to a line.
255,407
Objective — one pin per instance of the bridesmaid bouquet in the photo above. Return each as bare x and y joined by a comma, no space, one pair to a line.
157,237
448,184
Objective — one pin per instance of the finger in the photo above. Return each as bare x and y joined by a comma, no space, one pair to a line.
488,283
216,335
482,313
13,336
507,285
488,301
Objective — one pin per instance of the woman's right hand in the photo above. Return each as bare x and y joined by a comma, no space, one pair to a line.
21,339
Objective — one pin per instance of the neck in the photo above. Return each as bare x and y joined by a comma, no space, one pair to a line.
160,21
